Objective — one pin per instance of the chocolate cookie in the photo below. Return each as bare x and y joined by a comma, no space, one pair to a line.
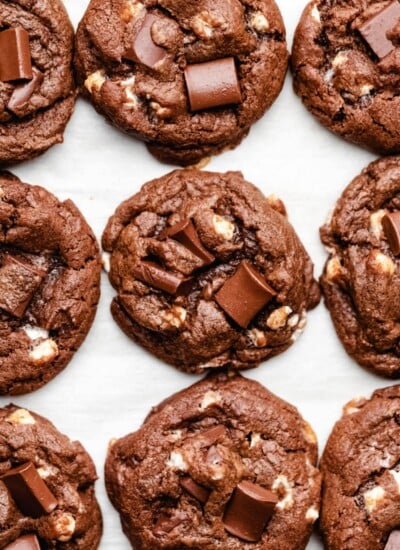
346,64
49,284
37,90
222,464
47,497
208,273
361,279
361,475
188,78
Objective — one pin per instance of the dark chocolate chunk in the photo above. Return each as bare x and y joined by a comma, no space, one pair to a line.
18,284
15,55
28,490
212,84
27,542
197,491
143,50
23,92
374,30
185,233
166,523
156,276
249,510
244,294
393,542
391,228
212,435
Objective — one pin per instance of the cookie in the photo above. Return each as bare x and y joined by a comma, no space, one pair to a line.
47,497
361,475
222,464
361,278
207,272
49,284
346,65
188,78
37,89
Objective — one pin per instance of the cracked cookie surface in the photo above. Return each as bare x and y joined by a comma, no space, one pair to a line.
217,433
151,102
341,80
204,326
49,284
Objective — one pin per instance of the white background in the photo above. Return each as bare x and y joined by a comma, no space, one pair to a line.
110,385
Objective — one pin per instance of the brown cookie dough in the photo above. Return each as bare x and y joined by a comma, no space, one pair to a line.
235,293
144,66
49,284
361,475
54,501
361,279
346,65
182,480
34,110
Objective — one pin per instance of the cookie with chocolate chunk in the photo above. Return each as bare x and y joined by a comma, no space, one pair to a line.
207,272
37,89
188,78
346,65
361,279
361,475
222,464
49,284
46,486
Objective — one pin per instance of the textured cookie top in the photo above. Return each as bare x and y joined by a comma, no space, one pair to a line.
346,69
49,284
217,433
216,317
64,467
361,280
361,473
142,64
35,104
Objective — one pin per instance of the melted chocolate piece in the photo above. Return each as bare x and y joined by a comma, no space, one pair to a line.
27,542
391,228
24,92
15,55
212,84
374,31
143,49
185,233
212,435
197,491
156,276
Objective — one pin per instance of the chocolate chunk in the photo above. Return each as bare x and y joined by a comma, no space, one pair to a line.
185,233
244,294
15,55
212,435
393,542
391,228
29,491
249,510
166,523
27,542
374,30
197,491
212,84
23,92
18,284
143,50
156,276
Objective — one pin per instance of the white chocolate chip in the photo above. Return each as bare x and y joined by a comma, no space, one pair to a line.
312,514
223,227
43,351
333,269
255,439
309,433
354,405
201,164
174,435
34,333
330,73
177,462
130,10
64,526
105,261
112,442
340,59
293,320
383,263
283,486
375,223
174,317
278,317
396,477
315,14
161,112
258,337
259,22
300,327
2,193
20,416
277,204
210,397
204,23
46,471
131,99
95,81
366,89
372,498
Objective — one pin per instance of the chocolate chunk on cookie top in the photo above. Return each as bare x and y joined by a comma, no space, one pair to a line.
37,89
188,78
361,475
346,64
46,487
222,464
361,279
49,284
208,272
